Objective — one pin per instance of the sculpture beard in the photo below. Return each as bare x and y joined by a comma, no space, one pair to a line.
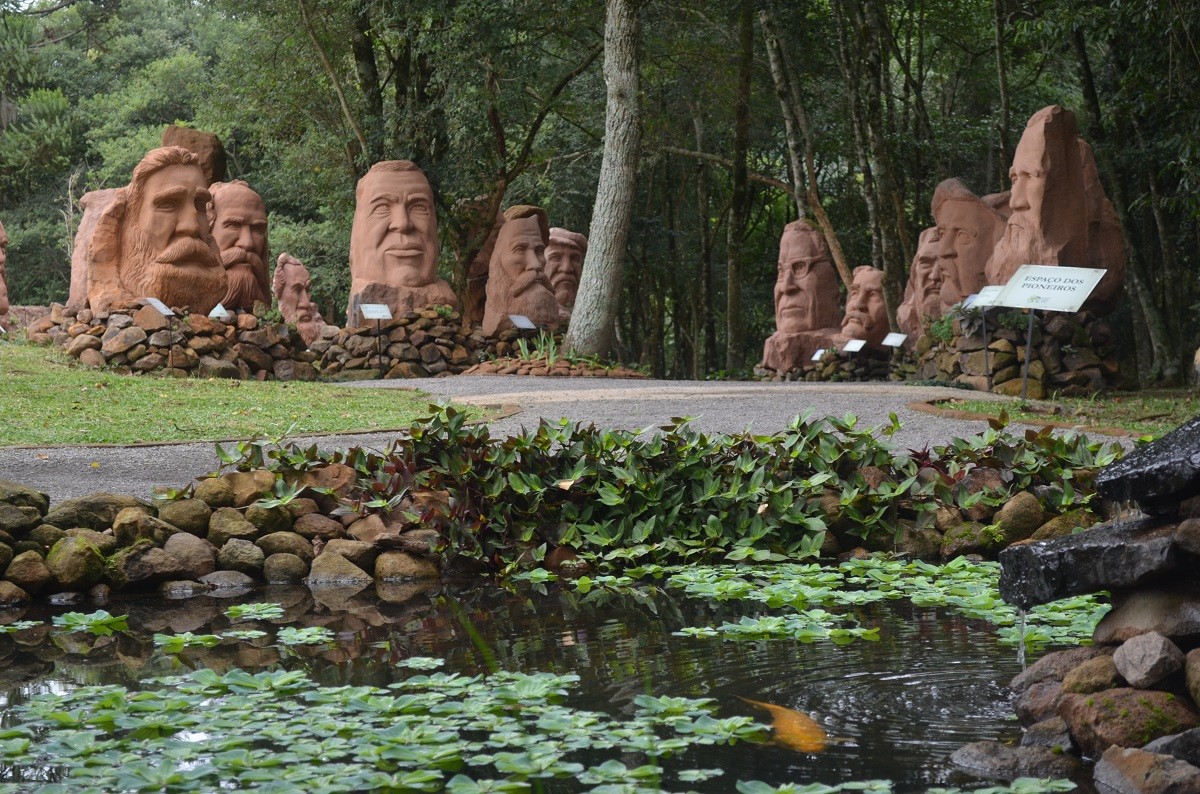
856,324
241,269
1020,245
187,269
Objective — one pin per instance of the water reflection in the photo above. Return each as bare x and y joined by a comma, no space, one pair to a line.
894,709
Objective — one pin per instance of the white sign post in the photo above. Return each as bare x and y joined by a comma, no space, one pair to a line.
1051,287
854,345
894,339
522,322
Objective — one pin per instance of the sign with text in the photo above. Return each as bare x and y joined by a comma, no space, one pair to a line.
894,339
162,308
982,299
817,356
1049,287
375,311
522,322
854,345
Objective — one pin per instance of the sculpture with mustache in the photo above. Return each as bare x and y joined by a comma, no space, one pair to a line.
242,269
186,269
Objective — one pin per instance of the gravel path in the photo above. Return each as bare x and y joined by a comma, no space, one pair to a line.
65,472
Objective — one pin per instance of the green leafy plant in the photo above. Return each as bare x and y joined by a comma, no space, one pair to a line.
254,612
99,623
176,643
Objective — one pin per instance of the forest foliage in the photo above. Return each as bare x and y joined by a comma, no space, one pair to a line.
504,103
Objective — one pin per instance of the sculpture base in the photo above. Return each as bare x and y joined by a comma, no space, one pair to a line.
787,352
400,299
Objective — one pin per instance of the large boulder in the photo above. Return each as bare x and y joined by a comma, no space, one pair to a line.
1184,746
397,566
269,519
196,556
241,555
1094,675
333,569
96,511
361,554
227,524
133,524
17,522
315,525
1129,770
215,493
249,486
284,568
142,565
1147,659
286,543
1124,717
1159,475
1172,610
75,563
106,543
189,515
14,493
999,761
29,572
1020,517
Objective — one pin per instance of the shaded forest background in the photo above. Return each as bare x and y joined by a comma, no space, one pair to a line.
845,110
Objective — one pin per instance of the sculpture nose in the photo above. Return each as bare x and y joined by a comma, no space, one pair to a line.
188,223
401,221
1017,199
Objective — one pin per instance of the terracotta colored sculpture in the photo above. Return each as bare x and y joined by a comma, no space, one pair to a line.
866,313
923,293
967,231
564,264
394,242
94,203
1106,240
205,145
293,289
238,219
517,282
1048,225
806,299
4,305
153,239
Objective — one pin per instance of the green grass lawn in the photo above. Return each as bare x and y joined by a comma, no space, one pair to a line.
47,398
1152,412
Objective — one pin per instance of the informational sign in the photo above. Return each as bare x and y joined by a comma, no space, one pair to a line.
818,354
375,311
894,340
984,298
1049,287
162,308
854,345
522,322
219,312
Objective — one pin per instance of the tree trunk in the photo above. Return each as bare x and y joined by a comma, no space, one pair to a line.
736,232
999,12
783,91
591,329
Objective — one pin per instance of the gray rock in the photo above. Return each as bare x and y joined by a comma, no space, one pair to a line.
210,367
215,493
315,525
241,555
1020,517
1107,557
196,556
28,571
397,566
419,541
14,493
16,521
182,588
269,519
1055,666
998,761
284,568
46,535
1147,659
1038,702
361,554
141,565
96,511
1184,746
189,515
333,569
1159,475
227,523
133,524
1051,733
1172,610
286,543
1094,675
75,564
11,595
1128,770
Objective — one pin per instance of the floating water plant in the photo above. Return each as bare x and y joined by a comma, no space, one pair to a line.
176,643
254,612
99,623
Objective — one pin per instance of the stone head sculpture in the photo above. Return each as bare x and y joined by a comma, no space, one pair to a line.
866,313
923,293
1048,224
806,291
967,232
564,264
394,241
238,219
517,282
292,287
153,239
4,304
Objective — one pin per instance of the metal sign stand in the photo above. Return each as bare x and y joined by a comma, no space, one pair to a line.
1028,355
377,312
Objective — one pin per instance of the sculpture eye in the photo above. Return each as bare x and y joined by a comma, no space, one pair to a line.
380,209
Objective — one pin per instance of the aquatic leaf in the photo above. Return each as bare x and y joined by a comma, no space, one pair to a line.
254,612
99,623
792,729
312,635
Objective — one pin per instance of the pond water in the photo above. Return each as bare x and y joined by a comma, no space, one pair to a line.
894,709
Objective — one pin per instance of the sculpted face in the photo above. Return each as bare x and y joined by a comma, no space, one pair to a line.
522,254
806,286
866,313
966,236
293,289
239,220
564,265
517,282
922,294
394,240
167,250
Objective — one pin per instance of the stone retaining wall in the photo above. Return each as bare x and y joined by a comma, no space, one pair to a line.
415,345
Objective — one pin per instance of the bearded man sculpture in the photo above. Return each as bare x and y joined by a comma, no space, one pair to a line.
517,282
293,289
923,293
239,225
153,239
866,313
394,242
967,232
806,299
564,264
